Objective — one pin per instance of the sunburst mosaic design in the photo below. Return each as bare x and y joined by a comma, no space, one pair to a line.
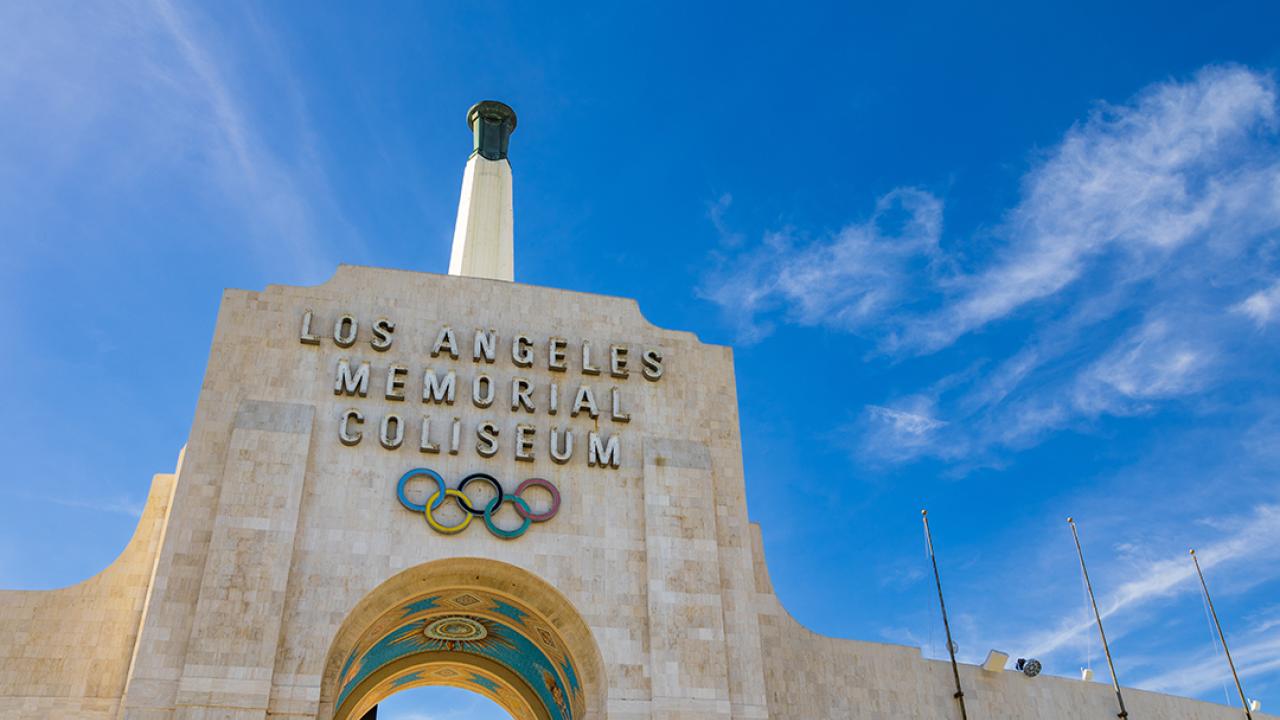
455,629
431,631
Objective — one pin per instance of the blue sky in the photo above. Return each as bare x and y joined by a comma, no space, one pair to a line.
1011,262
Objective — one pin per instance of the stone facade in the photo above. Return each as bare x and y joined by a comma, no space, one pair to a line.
270,567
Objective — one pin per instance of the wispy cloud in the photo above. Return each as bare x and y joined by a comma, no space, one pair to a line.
1260,654
1262,306
290,194
715,213
152,93
1131,185
849,281
1141,249
1151,362
1156,580
229,116
117,505
905,423
898,432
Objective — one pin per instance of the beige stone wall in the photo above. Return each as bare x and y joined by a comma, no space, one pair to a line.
66,653
280,539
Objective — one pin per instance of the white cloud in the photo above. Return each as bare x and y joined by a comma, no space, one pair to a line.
118,505
1250,540
849,281
1152,362
893,432
904,422
1265,619
1137,182
715,213
1258,655
1120,269
229,116
1262,306
128,98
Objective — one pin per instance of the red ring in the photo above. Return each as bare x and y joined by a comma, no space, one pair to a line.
545,485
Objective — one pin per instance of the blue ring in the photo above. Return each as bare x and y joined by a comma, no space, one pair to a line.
404,479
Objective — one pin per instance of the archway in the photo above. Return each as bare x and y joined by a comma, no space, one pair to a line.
477,624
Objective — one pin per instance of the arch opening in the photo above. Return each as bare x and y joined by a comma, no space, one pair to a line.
479,625
439,702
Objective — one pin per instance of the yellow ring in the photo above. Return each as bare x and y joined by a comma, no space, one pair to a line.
446,529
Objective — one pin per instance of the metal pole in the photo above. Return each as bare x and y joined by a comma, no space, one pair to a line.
1115,683
1244,702
951,647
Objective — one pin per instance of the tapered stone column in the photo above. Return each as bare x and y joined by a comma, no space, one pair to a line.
484,236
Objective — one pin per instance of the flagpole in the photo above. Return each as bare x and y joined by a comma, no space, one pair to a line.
1244,702
1115,683
951,647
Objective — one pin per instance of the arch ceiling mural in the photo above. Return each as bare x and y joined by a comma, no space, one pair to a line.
467,638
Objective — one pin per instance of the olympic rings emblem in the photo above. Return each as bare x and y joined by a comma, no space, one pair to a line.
470,511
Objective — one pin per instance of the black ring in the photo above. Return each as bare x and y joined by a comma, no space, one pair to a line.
465,502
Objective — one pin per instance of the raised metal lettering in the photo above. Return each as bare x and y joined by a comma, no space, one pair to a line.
345,434
521,394
522,351
424,440
395,382
345,330
351,384
437,390
556,348
482,398
615,406
445,342
584,400
618,361
560,454
305,337
587,367
485,346
603,454
524,442
382,329
652,362
391,431
487,439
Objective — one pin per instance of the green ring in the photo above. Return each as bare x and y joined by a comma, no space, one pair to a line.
492,506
